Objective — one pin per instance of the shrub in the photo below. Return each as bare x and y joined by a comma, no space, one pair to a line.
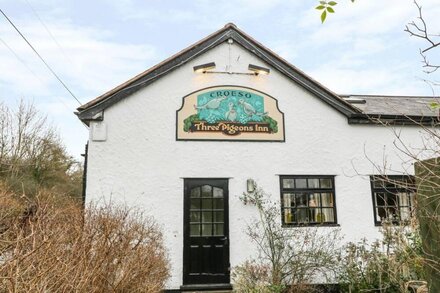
290,259
386,265
50,244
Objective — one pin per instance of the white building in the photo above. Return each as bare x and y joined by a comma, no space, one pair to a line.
181,139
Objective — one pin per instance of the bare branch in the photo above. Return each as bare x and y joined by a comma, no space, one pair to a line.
420,30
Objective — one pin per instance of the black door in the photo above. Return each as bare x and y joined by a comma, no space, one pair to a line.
206,239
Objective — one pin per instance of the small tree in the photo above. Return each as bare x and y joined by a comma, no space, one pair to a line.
32,155
289,258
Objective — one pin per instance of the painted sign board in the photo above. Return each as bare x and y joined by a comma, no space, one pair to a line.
230,113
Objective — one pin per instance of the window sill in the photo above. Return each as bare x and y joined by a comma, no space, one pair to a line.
309,225
392,224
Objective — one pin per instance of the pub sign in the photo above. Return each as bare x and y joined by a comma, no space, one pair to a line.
230,113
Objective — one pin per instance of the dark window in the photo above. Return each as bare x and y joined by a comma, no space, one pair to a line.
206,211
393,198
308,200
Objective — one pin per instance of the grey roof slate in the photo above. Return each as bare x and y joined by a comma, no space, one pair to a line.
395,105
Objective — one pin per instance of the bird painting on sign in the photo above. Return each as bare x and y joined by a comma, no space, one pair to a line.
231,115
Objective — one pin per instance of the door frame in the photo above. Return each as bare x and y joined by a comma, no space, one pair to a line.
186,232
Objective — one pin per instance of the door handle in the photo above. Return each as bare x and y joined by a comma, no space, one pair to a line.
225,239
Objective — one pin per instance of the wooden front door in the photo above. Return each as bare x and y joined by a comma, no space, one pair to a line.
206,232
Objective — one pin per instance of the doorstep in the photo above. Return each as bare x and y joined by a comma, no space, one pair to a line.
212,288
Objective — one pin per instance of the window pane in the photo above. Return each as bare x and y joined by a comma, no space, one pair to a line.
288,216
195,192
328,215
302,215
194,216
218,216
327,199
195,203
314,200
378,183
301,199
289,200
380,199
207,203
301,183
391,213
218,203
313,183
207,217
288,183
326,183
391,200
315,215
195,230
218,230
218,192
207,230
381,212
206,191
320,216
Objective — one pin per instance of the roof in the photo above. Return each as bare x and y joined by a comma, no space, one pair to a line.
398,108
395,105
92,109
359,109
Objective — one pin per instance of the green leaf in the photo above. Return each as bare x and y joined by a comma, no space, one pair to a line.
323,16
332,3
434,105
323,2
320,7
329,9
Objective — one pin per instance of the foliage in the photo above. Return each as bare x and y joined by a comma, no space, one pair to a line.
326,7
289,258
386,265
188,122
49,243
32,155
273,124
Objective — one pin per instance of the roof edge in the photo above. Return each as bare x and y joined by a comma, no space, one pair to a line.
230,30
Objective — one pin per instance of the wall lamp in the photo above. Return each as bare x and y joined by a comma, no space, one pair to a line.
250,185
258,69
204,67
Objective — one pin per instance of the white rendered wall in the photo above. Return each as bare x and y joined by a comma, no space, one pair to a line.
143,165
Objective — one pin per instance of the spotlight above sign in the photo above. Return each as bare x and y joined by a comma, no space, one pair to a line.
258,69
207,68
204,67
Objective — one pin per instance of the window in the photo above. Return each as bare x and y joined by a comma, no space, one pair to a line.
308,200
393,198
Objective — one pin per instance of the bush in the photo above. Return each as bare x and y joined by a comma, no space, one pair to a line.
290,259
50,244
388,265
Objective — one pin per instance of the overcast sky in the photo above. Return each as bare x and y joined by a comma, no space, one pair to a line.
96,45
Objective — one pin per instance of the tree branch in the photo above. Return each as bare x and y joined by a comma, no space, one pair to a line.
420,30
